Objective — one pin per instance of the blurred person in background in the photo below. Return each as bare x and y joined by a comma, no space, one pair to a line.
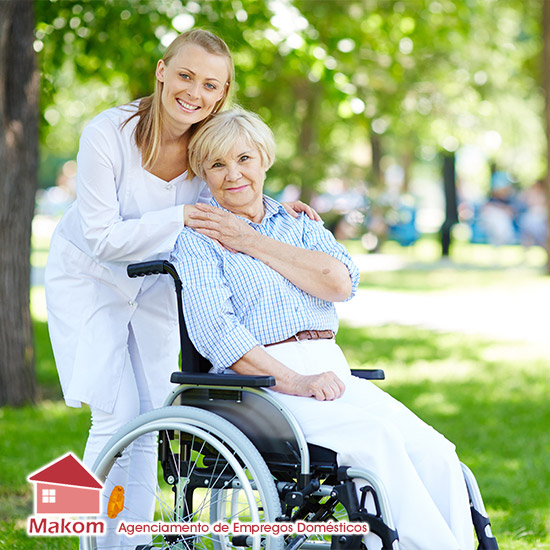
533,221
499,213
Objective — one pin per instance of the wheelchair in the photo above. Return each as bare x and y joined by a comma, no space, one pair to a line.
228,453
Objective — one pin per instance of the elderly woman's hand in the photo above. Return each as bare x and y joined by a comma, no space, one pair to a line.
222,226
323,387
326,386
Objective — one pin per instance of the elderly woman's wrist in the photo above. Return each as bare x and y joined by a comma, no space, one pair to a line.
253,243
295,384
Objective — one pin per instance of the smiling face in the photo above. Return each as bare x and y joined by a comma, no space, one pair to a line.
194,81
236,180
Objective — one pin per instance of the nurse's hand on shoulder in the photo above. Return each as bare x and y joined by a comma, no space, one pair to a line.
226,228
323,387
294,208
222,226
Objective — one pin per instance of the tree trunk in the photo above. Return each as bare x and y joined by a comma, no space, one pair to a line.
546,83
451,211
308,140
18,181
407,160
377,178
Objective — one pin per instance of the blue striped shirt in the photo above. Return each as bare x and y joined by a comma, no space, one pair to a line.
233,302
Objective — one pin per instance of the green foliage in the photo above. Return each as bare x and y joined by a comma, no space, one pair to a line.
93,55
329,77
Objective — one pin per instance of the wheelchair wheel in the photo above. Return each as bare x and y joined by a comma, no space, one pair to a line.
200,470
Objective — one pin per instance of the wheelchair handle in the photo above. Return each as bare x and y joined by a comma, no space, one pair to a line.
155,267
191,361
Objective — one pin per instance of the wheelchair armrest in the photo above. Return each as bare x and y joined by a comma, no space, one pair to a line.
229,380
369,374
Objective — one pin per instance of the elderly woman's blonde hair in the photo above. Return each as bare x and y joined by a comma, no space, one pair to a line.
217,136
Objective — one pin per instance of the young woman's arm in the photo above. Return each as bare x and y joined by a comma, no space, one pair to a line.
103,191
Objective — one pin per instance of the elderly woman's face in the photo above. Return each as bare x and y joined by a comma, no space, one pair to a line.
236,180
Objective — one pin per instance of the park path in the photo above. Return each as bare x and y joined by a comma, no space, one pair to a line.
498,311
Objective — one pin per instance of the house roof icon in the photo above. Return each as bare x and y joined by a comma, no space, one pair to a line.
67,470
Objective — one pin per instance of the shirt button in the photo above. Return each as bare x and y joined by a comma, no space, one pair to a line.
168,187
131,303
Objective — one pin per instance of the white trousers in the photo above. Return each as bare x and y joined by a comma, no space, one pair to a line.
136,469
366,427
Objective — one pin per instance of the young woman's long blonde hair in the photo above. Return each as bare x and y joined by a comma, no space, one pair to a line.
148,129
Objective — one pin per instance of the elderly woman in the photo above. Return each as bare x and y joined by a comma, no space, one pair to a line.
263,304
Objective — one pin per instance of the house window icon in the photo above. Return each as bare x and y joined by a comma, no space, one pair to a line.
48,496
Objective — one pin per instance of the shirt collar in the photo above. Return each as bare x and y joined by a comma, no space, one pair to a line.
271,206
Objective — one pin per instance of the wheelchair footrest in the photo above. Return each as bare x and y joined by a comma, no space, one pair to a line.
345,492
378,527
346,542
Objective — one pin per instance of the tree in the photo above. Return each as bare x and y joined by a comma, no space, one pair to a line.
546,82
329,77
18,181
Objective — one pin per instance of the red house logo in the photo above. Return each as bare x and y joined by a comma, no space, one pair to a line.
66,487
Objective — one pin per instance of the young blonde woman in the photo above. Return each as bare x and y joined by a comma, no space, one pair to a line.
115,339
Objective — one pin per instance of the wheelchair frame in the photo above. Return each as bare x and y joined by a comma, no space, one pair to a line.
221,423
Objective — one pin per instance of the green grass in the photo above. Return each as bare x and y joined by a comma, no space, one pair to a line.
421,268
448,277
32,437
490,397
